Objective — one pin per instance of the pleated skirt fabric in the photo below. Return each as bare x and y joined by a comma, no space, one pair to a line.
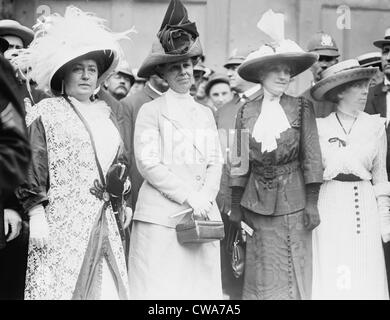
278,262
348,258
161,268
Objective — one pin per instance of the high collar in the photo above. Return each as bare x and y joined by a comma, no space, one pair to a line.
178,96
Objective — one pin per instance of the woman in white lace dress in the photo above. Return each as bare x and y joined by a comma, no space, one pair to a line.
354,198
75,248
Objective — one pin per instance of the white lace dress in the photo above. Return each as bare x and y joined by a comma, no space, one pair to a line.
348,260
71,210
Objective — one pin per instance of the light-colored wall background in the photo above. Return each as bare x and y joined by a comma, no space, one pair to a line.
228,24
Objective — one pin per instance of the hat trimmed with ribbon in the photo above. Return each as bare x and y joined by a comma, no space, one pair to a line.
178,40
280,51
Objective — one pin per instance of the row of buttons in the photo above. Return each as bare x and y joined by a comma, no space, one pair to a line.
290,267
358,225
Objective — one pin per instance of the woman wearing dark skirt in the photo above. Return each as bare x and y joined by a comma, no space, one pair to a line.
276,191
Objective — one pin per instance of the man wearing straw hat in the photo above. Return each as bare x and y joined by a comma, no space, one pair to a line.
378,101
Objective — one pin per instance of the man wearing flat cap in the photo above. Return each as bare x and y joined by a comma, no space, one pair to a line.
324,45
218,91
378,102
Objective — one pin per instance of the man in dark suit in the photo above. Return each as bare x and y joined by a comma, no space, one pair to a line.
378,101
13,258
324,45
154,88
14,159
226,120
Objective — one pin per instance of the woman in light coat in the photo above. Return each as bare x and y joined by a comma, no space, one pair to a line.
177,152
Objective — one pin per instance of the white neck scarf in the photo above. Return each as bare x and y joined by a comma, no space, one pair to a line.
271,122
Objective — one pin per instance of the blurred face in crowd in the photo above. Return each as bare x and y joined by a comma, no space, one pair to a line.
323,63
179,75
376,79
158,83
137,86
196,88
81,79
276,79
237,83
386,60
353,98
118,85
220,93
15,44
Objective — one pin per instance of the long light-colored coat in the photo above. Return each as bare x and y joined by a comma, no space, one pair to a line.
174,164
162,145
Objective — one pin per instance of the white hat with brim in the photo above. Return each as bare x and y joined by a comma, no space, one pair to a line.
382,42
14,28
287,52
106,59
339,74
158,56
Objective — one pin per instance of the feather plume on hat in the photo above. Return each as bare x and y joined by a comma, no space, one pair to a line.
61,39
279,50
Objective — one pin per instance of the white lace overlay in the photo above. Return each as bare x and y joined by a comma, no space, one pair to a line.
52,272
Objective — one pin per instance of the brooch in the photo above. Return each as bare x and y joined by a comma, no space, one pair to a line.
341,142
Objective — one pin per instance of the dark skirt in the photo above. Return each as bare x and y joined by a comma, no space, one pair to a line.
278,258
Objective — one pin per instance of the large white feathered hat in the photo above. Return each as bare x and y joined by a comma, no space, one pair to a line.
280,50
60,40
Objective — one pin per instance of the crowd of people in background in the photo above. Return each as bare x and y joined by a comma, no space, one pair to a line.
93,183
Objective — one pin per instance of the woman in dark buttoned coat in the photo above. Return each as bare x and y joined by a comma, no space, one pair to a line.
276,178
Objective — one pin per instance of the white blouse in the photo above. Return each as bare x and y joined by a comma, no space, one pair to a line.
104,132
364,153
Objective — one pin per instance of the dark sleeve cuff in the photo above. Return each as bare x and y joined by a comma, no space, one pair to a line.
30,198
313,177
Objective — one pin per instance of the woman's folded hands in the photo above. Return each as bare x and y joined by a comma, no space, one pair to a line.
201,204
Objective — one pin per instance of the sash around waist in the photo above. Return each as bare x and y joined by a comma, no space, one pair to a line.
271,172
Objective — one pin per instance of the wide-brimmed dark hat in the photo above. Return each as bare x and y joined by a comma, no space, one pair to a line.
339,74
287,52
14,28
382,42
323,44
157,56
3,45
216,78
178,40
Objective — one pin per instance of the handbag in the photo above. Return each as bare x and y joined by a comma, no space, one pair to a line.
199,230
238,254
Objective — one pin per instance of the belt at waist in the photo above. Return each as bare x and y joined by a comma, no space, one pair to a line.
271,172
347,177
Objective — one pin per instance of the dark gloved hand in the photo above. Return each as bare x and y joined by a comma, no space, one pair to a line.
115,179
311,217
236,210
